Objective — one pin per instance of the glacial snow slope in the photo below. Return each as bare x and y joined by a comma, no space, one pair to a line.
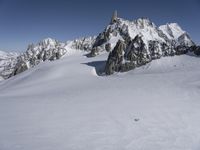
64,105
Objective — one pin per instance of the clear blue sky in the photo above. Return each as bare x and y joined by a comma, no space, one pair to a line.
29,21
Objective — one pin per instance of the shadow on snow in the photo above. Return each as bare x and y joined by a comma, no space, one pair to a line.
98,65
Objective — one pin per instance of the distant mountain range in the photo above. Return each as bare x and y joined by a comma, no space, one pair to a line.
130,44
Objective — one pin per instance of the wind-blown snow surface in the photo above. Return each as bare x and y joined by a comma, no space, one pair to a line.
64,105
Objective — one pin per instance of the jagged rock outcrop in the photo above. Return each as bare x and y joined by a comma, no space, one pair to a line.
181,49
195,50
168,49
135,54
126,57
144,42
85,44
108,47
49,50
20,67
114,17
115,58
185,40
8,62
112,33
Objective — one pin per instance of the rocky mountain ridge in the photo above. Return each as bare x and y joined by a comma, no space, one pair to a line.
125,30
7,63
130,44
134,43
45,50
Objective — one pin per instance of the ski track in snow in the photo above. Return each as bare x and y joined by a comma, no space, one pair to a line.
65,105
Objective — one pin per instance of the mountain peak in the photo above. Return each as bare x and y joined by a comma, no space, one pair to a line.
172,30
144,21
49,41
114,17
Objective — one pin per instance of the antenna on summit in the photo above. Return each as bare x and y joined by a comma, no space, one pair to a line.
114,17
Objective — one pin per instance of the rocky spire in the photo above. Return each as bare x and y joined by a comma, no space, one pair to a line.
114,17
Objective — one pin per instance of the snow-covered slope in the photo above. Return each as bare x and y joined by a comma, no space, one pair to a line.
7,63
65,105
49,50
174,32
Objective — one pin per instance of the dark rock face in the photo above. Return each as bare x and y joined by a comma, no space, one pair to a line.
154,49
183,40
94,52
126,57
101,38
167,50
181,49
195,49
108,47
20,67
134,53
115,58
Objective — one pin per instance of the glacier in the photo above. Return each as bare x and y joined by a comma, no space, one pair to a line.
66,105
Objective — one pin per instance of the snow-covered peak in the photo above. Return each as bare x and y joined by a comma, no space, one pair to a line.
171,34
144,22
8,61
172,30
176,29
48,41
124,29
